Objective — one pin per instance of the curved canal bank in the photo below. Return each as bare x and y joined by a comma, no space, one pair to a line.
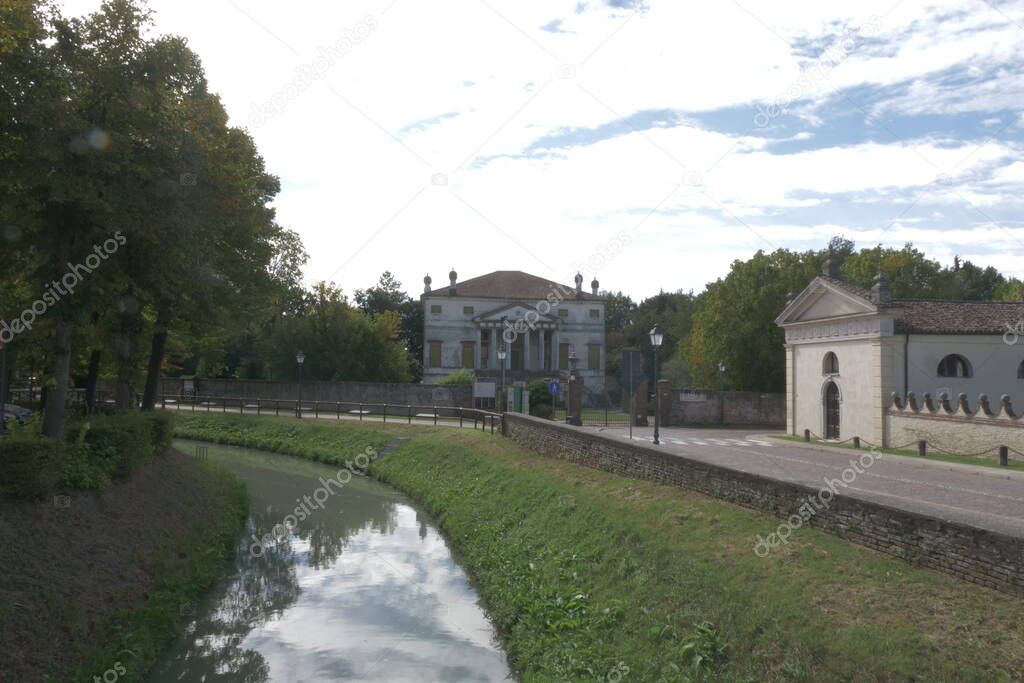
593,577
338,578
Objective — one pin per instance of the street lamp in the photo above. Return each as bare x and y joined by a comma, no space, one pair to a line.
657,338
300,358
502,354
573,392
721,392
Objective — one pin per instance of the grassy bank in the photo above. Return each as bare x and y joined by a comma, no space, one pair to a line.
97,583
590,576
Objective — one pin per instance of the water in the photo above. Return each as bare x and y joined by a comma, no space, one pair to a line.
364,589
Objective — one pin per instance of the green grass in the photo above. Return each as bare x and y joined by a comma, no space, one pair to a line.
588,576
142,633
327,441
932,455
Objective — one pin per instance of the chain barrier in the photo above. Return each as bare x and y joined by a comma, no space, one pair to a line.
931,446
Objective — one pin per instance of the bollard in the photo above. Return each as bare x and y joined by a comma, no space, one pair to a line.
408,413
807,435
1004,456
856,442
460,417
922,448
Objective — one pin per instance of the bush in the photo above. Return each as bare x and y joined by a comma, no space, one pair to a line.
543,410
100,447
30,466
161,423
458,377
539,397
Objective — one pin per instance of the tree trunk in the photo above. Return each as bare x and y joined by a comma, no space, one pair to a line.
92,378
57,391
156,361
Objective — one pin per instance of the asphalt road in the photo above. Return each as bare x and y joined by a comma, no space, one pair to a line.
984,497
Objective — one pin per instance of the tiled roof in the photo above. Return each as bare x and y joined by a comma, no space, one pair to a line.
512,284
848,286
958,317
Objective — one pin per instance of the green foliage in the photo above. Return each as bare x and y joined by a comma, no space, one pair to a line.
539,396
101,447
458,378
703,648
30,466
326,442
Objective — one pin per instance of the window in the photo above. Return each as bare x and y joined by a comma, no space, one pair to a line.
563,312
595,312
954,365
468,349
1020,370
593,358
563,356
435,354
830,366
468,310
435,309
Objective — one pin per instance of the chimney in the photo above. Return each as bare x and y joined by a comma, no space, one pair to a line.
579,286
426,284
881,292
594,285
831,269
452,277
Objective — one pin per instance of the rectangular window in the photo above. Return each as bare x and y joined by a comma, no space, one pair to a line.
563,312
468,310
468,349
485,351
435,309
595,312
563,356
435,354
593,358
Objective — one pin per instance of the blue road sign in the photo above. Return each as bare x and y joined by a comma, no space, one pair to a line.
554,388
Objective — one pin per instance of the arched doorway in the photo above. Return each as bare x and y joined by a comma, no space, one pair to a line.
831,411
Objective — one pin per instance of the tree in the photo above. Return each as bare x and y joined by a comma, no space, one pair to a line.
387,295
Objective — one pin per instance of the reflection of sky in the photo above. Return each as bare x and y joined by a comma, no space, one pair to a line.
392,606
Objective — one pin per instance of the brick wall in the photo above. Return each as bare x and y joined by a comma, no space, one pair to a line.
345,392
695,407
979,556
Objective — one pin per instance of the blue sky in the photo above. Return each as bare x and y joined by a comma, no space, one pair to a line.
492,135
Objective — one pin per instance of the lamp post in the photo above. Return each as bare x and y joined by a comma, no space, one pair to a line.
721,392
300,358
573,389
31,390
502,354
657,338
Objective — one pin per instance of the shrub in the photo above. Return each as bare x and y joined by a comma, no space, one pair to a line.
30,466
161,423
543,410
539,396
458,377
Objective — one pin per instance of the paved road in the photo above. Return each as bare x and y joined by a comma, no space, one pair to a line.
984,497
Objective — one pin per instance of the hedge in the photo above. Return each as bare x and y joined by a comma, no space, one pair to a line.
30,466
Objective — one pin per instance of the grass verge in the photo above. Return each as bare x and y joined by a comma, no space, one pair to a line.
591,576
980,461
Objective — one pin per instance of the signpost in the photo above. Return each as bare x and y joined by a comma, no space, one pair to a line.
554,388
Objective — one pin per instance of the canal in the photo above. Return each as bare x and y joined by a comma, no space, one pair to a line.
364,588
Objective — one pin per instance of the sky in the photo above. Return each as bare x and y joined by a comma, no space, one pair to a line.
647,144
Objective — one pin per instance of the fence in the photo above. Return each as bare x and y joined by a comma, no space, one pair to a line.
338,410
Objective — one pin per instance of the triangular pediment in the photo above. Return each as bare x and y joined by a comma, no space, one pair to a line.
823,300
513,312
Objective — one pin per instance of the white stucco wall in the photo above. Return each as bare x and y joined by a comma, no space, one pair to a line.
994,367
856,381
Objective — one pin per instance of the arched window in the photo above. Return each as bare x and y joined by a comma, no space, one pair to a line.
830,366
954,365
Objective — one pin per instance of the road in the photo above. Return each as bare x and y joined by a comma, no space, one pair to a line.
984,497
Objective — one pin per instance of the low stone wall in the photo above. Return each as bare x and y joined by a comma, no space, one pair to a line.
955,428
699,407
344,392
979,556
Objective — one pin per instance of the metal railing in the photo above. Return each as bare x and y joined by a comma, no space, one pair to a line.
338,410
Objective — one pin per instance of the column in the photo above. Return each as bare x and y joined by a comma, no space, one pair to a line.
526,348
476,349
554,350
542,365
495,337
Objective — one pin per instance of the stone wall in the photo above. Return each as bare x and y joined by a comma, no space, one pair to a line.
698,407
979,556
344,392
956,428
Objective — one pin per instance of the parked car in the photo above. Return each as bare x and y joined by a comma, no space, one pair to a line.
16,413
